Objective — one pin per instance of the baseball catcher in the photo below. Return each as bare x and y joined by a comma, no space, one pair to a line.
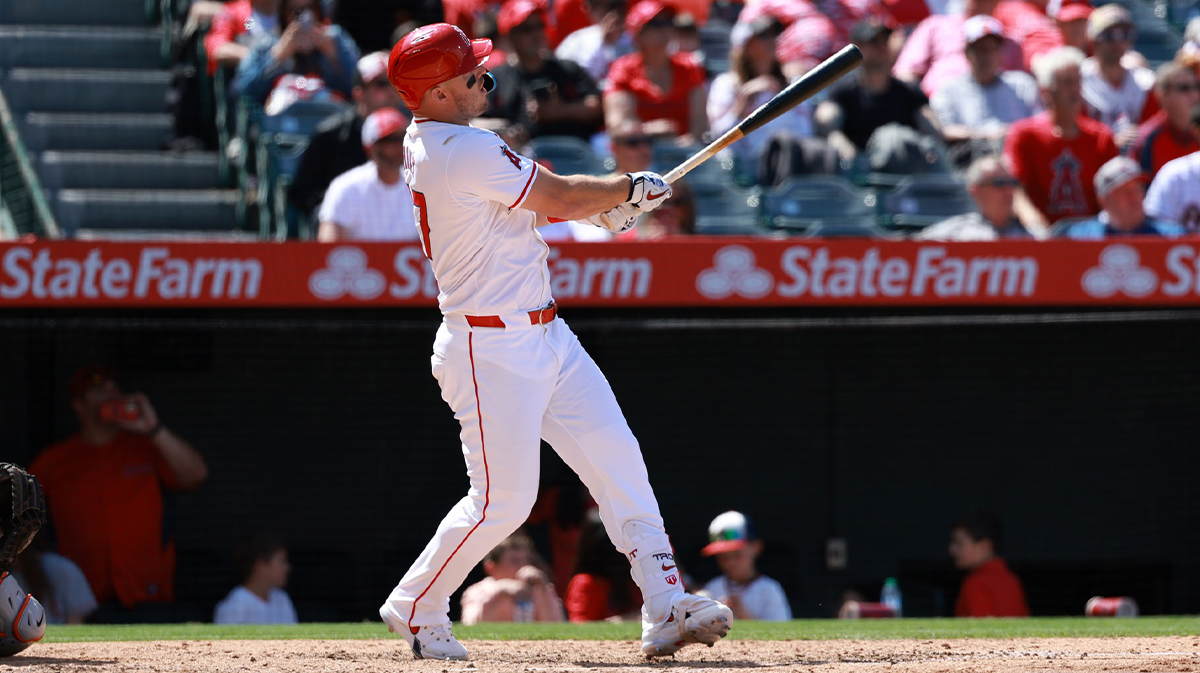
22,514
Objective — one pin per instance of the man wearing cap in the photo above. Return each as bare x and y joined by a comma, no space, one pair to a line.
536,94
934,54
336,146
1120,189
371,202
872,97
991,187
1115,95
976,109
595,47
1071,16
735,547
510,369
104,486
1174,195
1056,154
1167,135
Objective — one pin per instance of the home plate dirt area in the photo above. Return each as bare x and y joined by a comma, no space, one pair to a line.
1177,654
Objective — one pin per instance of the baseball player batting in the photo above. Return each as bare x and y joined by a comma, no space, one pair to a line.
513,372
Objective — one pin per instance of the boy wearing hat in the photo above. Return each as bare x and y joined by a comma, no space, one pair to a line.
1120,190
735,546
371,202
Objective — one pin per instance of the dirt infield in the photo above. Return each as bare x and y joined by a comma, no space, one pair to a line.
1177,654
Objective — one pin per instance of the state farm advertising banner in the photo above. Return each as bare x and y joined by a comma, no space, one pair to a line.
691,272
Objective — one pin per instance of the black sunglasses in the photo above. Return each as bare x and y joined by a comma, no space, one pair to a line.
489,82
659,23
1000,182
1117,35
634,141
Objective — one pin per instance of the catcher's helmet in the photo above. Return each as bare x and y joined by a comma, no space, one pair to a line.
431,55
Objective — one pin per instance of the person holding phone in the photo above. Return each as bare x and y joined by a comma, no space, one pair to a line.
105,486
305,44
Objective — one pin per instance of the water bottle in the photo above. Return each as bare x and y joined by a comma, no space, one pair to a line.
890,596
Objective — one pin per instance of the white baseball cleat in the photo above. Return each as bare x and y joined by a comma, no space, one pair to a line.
693,619
427,642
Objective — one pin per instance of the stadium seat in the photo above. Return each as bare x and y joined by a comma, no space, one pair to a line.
716,174
921,200
849,228
714,46
802,201
729,211
565,155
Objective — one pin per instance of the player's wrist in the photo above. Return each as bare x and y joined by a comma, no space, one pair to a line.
631,184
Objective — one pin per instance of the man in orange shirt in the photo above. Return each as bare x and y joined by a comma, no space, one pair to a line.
104,489
990,588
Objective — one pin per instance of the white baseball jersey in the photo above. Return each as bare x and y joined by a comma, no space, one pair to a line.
1175,193
486,254
371,210
1115,107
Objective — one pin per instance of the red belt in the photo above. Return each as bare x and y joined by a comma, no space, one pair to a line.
538,317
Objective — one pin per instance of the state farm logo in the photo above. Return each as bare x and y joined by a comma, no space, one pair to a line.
734,272
346,272
1120,270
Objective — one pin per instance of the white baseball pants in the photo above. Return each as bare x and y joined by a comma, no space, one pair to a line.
510,388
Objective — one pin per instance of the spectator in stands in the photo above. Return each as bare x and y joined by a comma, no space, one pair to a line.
991,186
1174,195
104,486
872,98
675,217
990,589
517,587
306,45
601,588
664,90
632,148
753,78
935,52
236,28
1056,154
336,146
260,598
1115,95
371,202
595,47
810,37
1189,51
1072,19
56,581
1120,189
976,109
1025,22
536,94
735,547
1167,135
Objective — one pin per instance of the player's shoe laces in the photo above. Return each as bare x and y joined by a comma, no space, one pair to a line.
427,642
693,619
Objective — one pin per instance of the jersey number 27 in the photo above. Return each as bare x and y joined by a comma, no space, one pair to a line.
422,217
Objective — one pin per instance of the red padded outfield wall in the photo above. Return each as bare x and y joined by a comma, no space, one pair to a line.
691,272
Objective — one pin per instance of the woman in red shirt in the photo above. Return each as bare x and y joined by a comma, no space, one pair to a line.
602,587
662,89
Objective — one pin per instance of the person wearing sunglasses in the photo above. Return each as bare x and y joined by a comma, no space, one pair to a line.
991,185
664,90
1116,94
537,94
1168,135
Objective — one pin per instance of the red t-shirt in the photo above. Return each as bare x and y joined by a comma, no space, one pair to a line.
107,506
991,590
588,599
628,73
1027,24
1057,174
226,28
1157,143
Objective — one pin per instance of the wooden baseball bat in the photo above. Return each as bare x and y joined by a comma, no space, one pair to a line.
826,73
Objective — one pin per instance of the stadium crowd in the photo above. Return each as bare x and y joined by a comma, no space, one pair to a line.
1015,106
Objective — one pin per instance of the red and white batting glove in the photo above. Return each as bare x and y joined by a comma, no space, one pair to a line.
647,190
618,220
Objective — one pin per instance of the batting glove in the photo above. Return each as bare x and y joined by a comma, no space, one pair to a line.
618,220
647,190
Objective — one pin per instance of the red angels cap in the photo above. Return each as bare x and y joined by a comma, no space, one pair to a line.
980,26
515,12
1071,10
728,532
431,55
641,13
372,66
381,124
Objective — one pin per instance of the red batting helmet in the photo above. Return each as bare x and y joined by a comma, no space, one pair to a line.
431,55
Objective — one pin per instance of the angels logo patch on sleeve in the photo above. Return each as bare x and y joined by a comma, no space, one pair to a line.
516,161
